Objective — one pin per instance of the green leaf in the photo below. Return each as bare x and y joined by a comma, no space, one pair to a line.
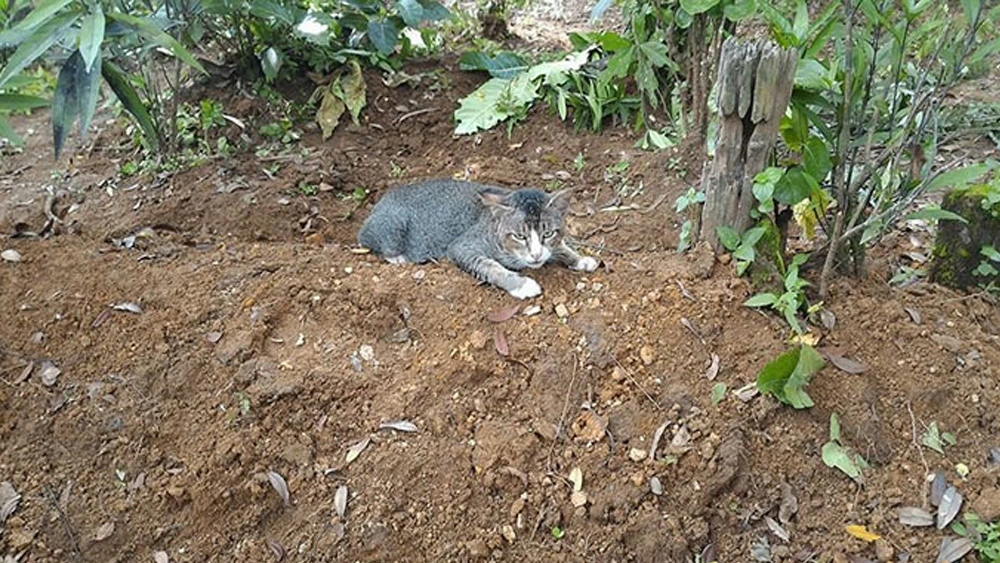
935,213
354,90
955,178
990,252
656,53
801,23
837,457
478,110
150,31
21,102
91,36
412,12
36,44
740,10
502,65
932,438
120,85
718,393
761,300
384,34
834,427
6,132
751,236
816,159
434,10
787,376
728,237
810,74
794,186
695,7
270,62
65,104
42,14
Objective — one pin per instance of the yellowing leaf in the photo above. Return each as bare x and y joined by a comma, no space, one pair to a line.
807,338
862,533
330,110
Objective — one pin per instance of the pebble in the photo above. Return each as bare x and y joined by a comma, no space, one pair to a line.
508,533
11,255
883,551
637,454
531,310
578,498
646,355
561,311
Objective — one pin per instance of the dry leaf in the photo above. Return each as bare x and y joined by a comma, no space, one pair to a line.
128,307
655,444
104,315
25,373
500,343
776,529
11,255
354,451
338,530
861,533
938,485
842,362
400,425
713,370
953,549
914,315
276,549
951,503
280,487
827,319
9,499
49,373
340,500
213,337
503,314
655,486
913,516
161,557
576,477
789,504
104,531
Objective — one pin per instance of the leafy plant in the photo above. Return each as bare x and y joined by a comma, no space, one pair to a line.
787,376
687,203
986,535
991,260
741,246
791,300
840,456
936,440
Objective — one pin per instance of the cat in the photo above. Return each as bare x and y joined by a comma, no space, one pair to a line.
487,231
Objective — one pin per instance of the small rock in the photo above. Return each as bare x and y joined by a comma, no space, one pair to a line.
11,255
561,311
655,486
507,531
367,352
419,275
637,454
578,498
646,355
949,343
517,507
478,548
987,504
478,339
883,551
531,310
589,426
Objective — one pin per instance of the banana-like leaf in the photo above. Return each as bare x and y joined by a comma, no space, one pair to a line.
37,43
6,132
41,14
131,102
21,102
91,36
147,29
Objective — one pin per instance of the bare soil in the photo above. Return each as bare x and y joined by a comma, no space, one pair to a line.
266,344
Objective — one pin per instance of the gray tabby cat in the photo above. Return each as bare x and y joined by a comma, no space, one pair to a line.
489,232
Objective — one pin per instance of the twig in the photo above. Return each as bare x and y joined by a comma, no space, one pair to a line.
655,204
913,432
51,497
628,375
562,417
414,113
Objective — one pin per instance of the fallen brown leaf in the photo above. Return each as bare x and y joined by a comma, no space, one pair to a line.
503,314
500,343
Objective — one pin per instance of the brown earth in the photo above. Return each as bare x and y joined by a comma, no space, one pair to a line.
265,344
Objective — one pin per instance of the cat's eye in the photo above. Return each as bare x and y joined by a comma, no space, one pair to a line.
517,237
549,234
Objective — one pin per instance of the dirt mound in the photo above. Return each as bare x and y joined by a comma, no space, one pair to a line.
237,334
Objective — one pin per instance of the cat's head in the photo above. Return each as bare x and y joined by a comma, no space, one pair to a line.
528,223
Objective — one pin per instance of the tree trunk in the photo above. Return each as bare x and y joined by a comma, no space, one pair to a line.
755,83
958,246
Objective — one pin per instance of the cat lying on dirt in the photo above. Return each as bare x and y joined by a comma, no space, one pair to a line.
487,231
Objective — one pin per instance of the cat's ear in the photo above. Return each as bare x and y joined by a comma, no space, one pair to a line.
560,200
497,201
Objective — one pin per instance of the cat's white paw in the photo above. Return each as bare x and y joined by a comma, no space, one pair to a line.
529,288
586,264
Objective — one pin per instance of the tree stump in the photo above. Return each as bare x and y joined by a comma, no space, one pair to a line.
958,246
754,84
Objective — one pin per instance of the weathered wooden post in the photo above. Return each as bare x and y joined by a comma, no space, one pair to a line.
754,85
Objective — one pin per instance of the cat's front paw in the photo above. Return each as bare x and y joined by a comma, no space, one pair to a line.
586,264
527,289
